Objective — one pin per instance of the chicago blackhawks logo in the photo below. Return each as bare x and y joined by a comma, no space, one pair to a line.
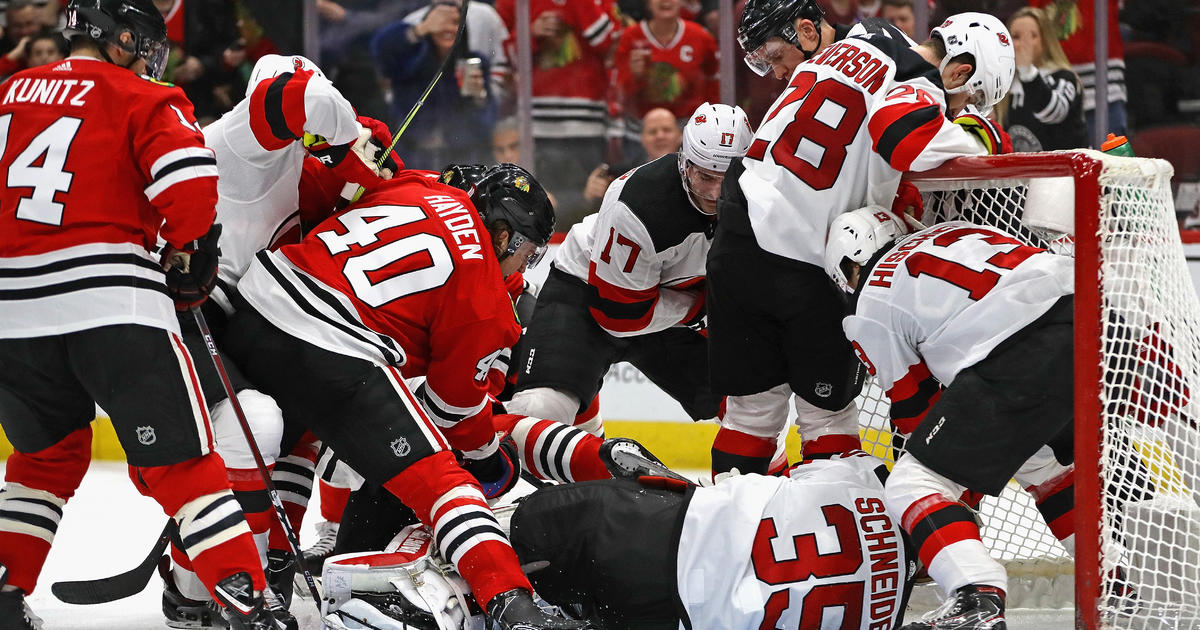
401,447
521,183
146,435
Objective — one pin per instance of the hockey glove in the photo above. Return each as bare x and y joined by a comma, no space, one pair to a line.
987,131
498,472
909,204
381,138
697,316
192,270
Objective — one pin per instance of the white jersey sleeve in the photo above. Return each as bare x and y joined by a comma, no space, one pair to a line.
943,298
766,552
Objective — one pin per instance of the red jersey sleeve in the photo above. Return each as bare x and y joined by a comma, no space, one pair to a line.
169,149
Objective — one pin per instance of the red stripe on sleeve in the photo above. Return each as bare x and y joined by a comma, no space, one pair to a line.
913,141
258,119
293,102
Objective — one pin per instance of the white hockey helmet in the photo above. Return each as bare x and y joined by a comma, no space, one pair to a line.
856,236
712,137
987,39
270,66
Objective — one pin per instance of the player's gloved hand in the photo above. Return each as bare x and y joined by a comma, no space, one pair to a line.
909,205
381,138
353,161
697,317
192,270
498,472
989,132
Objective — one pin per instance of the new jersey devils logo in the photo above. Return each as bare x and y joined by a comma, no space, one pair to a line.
297,63
701,119
1003,38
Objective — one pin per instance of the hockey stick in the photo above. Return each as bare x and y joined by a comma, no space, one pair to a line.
110,589
293,540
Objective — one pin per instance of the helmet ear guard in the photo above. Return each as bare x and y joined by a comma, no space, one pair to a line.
856,236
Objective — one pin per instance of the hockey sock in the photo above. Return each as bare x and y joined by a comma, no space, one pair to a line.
293,479
1055,499
552,450
828,445
333,501
38,486
195,492
446,498
589,419
947,541
251,492
748,453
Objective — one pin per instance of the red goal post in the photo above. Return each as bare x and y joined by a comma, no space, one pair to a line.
1137,366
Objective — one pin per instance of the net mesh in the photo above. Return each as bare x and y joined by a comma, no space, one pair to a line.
1149,439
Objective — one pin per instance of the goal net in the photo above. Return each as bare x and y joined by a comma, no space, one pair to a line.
1137,444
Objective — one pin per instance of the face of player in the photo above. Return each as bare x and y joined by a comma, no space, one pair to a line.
663,9
506,146
43,52
705,186
1027,41
900,17
519,260
781,56
660,133
954,75
852,275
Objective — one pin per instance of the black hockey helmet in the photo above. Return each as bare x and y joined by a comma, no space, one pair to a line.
509,192
764,19
105,20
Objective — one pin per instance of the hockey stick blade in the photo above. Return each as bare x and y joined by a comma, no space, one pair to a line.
110,589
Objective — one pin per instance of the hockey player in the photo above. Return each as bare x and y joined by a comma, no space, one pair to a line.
963,306
291,111
812,549
859,113
97,159
408,281
627,283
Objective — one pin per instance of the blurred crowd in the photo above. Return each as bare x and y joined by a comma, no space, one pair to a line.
611,79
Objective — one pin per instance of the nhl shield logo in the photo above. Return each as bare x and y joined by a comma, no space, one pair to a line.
146,435
401,447
823,389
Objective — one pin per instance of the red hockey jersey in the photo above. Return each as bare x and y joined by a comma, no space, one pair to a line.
95,159
680,75
406,276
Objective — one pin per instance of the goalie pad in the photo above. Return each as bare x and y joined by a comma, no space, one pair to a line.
405,586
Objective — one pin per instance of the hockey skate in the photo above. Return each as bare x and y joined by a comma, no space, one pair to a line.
627,459
183,612
516,610
314,556
243,609
14,612
281,572
972,607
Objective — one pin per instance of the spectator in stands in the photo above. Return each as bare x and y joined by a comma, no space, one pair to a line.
48,46
900,14
486,33
456,120
570,85
660,136
665,61
506,141
1074,21
23,19
205,54
1044,109
346,28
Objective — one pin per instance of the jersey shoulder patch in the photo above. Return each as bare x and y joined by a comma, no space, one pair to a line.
655,195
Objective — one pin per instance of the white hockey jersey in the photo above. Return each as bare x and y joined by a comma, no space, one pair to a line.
943,298
643,253
260,158
813,550
850,122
